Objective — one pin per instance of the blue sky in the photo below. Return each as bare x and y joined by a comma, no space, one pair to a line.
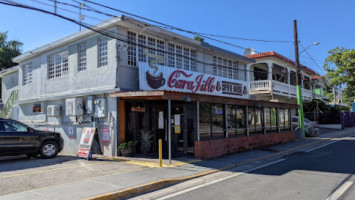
329,22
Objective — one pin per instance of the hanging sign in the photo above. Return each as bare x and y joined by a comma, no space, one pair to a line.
105,135
86,142
138,109
177,129
177,120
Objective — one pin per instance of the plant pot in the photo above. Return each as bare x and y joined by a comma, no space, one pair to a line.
126,152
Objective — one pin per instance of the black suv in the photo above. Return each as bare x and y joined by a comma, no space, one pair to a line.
17,138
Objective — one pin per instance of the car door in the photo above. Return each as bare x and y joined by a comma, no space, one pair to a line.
18,138
3,148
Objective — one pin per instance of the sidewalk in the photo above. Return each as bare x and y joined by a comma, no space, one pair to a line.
129,182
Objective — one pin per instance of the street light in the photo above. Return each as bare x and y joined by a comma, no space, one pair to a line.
314,43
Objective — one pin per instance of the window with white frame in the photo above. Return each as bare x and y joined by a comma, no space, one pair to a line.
58,64
27,73
176,55
102,45
82,56
225,68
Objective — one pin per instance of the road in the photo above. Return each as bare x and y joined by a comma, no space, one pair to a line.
322,173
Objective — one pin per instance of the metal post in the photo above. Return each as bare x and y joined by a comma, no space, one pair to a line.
160,153
299,80
169,129
225,121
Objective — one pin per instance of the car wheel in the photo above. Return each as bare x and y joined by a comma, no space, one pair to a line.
49,149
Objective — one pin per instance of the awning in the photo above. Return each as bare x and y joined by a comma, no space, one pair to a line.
189,97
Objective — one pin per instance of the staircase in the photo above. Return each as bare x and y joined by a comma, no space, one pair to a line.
9,103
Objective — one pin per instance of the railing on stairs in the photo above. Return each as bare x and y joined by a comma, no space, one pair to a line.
9,103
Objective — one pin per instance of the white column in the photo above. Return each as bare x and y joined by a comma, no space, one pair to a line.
269,77
248,72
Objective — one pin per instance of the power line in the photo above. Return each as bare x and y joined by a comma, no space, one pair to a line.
311,57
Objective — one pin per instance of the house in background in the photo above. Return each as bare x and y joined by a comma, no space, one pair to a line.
133,76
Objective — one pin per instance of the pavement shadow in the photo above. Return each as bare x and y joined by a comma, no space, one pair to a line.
12,163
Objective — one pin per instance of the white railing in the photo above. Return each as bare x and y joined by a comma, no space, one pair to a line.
277,88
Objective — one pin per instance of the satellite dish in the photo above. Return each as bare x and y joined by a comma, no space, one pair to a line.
249,51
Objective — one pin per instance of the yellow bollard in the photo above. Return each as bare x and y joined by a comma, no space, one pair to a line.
160,152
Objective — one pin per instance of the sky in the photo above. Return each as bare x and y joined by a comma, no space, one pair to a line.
329,22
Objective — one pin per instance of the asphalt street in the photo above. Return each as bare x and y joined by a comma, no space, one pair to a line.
321,173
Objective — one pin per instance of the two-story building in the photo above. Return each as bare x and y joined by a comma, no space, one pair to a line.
128,76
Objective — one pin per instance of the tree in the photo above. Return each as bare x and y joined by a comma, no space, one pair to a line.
340,67
8,50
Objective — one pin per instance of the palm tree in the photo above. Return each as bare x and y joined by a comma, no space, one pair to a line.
8,50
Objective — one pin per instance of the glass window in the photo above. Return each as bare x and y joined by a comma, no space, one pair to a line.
82,56
14,127
217,117
251,120
27,73
282,119
178,57
57,64
102,45
273,120
259,120
241,120
231,120
205,121
287,119
267,117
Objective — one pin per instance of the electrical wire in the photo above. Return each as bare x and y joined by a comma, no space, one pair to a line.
311,57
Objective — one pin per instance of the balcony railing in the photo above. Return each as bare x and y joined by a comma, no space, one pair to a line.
277,88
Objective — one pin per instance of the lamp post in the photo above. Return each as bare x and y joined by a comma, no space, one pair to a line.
298,80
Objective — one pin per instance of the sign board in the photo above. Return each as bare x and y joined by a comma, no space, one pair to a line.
169,78
177,129
177,120
105,135
71,132
161,120
138,109
86,141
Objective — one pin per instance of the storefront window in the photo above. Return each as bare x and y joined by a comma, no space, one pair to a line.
205,121
258,120
273,120
251,120
282,119
231,121
267,117
217,116
287,119
241,120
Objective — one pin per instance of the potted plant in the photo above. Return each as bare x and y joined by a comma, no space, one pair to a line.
146,140
126,148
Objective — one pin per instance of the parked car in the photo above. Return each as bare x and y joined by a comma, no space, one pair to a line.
17,138
310,128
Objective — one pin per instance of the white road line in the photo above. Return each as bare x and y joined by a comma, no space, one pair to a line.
218,180
340,191
309,150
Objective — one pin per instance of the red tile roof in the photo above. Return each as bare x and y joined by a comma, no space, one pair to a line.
274,54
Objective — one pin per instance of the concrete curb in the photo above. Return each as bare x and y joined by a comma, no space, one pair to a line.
148,187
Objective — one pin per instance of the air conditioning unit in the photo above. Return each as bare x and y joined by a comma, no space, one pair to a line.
53,110
74,107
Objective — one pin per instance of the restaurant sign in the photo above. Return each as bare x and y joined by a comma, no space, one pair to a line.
173,79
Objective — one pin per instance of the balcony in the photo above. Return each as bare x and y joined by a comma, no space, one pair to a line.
271,87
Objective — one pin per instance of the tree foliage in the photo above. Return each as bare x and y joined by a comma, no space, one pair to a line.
340,67
8,50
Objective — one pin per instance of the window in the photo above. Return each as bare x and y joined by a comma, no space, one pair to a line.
251,120
282,119
226,68
217,116
58,64
14,127
235,120
205,121
176,55
287,119
267,117
259,120
82,56
273,119
27,73
102,45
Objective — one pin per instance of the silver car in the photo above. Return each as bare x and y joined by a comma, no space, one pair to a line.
310,128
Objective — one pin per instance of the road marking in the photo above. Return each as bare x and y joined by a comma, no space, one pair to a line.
340,191
315,148
219,180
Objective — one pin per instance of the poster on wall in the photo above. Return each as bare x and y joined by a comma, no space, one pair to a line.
161,120
71,132
85,142
105,135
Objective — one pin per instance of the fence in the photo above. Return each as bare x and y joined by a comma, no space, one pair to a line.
345,118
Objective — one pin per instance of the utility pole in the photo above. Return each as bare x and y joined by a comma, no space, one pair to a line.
55,6
298,81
